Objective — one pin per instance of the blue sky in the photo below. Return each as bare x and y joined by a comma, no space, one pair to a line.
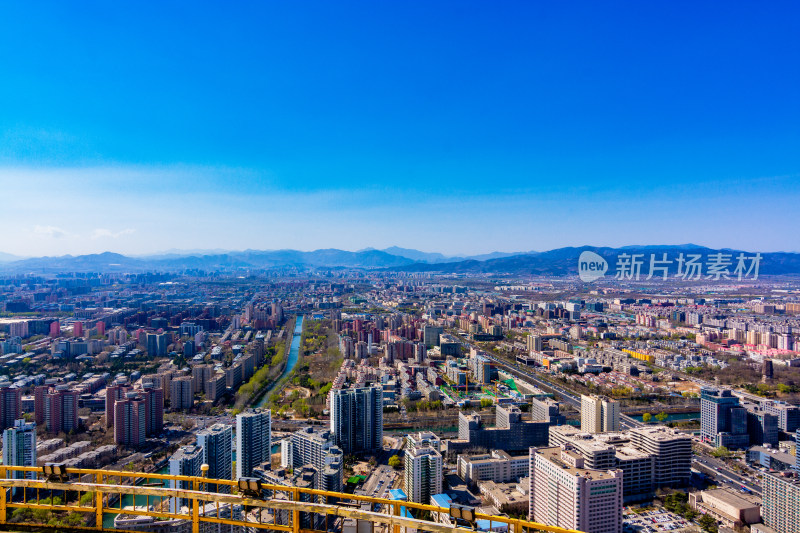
460,127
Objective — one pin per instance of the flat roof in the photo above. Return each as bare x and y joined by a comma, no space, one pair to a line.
554,456
729,497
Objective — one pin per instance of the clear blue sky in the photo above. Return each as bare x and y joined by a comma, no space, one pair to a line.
460,127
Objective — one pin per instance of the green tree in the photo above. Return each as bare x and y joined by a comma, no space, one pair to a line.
721,452
647,417
661,416
708,523
394,461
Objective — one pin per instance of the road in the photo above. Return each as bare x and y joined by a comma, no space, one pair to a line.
721,470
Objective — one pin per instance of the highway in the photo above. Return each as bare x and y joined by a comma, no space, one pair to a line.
718,470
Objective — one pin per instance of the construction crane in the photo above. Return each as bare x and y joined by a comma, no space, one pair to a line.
496,397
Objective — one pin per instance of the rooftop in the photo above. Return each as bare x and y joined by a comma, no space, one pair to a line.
554,456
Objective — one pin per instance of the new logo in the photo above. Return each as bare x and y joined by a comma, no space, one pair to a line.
591,266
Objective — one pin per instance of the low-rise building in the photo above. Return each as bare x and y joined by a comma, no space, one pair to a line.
726,506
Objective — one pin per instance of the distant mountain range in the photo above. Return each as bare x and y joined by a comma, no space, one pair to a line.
558,262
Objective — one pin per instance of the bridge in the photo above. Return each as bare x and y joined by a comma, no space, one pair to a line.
78,499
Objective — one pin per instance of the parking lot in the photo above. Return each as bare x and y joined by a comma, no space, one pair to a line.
655,521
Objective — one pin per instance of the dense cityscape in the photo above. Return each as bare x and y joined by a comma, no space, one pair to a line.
608,407
399,267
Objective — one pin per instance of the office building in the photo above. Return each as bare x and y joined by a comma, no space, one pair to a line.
184,462
217,444
780,502
649,457
10,406
762,426
563,493
599,414
423,473
181,393
157,344
19,447
430,335
496,466
723,422
672,450
510,433
253,440
788,415
357,418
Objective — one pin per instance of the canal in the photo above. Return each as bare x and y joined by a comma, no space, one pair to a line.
294,354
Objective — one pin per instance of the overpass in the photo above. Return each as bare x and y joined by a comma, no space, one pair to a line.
78,499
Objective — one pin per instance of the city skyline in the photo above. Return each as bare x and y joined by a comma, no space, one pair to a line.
457,128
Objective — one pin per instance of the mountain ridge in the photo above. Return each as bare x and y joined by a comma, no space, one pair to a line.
557,262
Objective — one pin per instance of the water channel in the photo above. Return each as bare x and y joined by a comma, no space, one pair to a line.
294,353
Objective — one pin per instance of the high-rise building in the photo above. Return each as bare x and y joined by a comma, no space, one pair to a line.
599,414
181,393
19,447
200,375
61,410
77,329
39,394
317,449
780,501
217,444
423,473
762,426
563,493
253,440
287,453
649,457
547,409
154,408
130,420
156,344
10,406
430,335
424,438
788,414
114,393
357,418
534,343
184,462
723,422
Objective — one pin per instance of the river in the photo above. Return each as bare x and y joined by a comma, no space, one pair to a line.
294,354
